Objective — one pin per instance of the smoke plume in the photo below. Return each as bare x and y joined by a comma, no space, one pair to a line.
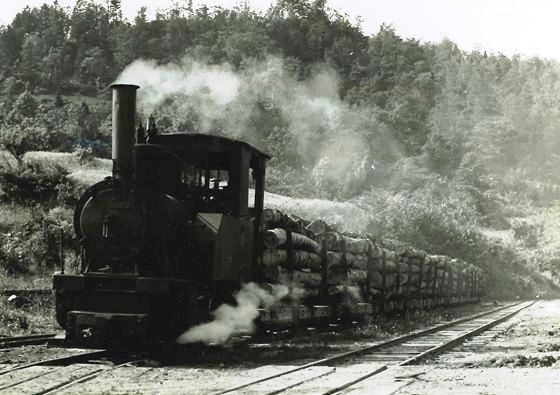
267,105
229,320
160,82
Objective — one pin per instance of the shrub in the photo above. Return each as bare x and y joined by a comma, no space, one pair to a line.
13,259
84,154
437,217
442,219
32,182
529,232
25,136
35,245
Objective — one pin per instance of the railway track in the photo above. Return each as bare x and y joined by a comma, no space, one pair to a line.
26,292
16,341
53,375
340,372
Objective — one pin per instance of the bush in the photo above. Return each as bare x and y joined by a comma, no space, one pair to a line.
437,218
13,258
26,250
442,219
34,246
23,137
529,232
84,154
32,182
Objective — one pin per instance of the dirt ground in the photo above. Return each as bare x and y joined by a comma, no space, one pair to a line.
520,356
465,370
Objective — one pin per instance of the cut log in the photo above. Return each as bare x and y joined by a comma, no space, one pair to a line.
318,227
376,252
376,279
389,255
281,275
277,219
390,266
356,261
390,280
354,292
403,267
414,268
335,240
414,261
273,216
277,237
339,275
302,259
411,252
403,278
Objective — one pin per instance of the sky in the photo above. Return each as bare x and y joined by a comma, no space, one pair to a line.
525,27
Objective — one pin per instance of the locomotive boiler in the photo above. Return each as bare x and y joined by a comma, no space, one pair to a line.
164,240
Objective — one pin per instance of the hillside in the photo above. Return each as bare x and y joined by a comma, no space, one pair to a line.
451,151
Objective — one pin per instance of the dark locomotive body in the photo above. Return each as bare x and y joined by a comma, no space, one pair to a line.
164,240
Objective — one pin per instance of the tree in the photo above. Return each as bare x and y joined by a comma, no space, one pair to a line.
20,138
25,107
114,10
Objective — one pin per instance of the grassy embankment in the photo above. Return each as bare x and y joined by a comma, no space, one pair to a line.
29,234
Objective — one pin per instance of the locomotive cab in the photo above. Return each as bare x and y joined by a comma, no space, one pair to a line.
168,237
213,177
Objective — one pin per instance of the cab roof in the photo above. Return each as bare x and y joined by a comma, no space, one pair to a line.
198,142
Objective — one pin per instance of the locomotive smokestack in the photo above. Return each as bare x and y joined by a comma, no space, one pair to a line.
124,130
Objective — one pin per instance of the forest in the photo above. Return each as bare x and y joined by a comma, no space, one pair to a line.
454,152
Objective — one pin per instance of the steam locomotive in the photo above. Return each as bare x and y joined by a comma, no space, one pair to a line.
164,240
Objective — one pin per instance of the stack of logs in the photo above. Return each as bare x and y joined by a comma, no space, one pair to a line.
313,257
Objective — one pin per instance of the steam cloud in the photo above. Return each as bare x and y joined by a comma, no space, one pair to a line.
159,82
231,319
331,138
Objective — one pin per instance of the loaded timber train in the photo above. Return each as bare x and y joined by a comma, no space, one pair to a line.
180,226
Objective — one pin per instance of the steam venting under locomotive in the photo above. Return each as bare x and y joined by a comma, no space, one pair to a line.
164,240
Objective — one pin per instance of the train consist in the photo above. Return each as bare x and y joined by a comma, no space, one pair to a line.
175,232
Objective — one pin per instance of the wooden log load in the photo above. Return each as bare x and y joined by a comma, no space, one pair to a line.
281,275
352,263
277,237
302,259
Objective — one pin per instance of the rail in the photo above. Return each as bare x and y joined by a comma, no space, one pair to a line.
64,362
452,338
14,341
